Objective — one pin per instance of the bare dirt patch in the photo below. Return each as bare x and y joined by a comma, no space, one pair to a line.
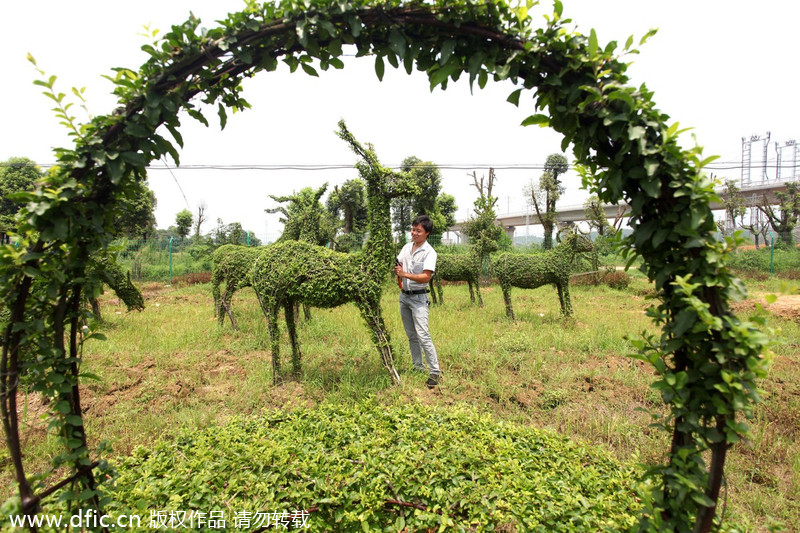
786,306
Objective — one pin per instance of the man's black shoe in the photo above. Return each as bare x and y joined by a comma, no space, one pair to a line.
432,381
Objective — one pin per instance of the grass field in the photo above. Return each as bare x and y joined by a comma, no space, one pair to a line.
171,367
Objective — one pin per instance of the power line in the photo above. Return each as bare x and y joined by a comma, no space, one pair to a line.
176,182
731,165
720,165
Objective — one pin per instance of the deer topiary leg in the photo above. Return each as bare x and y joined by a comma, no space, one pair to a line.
507,299
563,297
380,337
471,293
288,310
439,290
275,344
478,292
215,291
230,288
96,309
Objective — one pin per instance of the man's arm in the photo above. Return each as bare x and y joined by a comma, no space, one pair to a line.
425,277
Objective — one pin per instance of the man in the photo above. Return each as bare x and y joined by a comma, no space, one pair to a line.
416,265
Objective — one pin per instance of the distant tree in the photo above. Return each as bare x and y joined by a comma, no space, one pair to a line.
183,222
733,202
440,207
758,227
17,174
138,220
348,204
446,206
20,174
597,218
201,217
304,217
484,234
232,233
784,216
546,193
236,233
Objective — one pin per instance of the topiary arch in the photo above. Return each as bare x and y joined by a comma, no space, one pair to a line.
706,359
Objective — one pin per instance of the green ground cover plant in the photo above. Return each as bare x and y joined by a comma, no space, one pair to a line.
170,370
369,467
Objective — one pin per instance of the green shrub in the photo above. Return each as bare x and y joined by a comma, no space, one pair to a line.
372,468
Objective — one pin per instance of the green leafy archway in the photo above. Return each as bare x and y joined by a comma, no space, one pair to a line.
706,359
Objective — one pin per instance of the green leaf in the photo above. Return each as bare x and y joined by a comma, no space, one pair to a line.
483,77
650,166
197,115
541,120
134,159
684,320
223,116
74,420
647,36
135,129
379,67
115,170
635,132
355,25
397,43
447,50
592,43
771,298
311,71
514,97
622,94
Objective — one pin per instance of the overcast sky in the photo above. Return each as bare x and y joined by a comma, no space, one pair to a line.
728,69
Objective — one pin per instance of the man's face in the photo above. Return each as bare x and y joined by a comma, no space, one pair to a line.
418,234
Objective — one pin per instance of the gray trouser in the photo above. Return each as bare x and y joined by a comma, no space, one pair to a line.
414,312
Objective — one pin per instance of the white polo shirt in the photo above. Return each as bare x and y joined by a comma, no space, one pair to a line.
424,258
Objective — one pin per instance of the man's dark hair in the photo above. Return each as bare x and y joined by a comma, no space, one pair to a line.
424,221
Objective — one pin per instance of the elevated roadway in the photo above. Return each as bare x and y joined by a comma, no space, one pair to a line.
753,194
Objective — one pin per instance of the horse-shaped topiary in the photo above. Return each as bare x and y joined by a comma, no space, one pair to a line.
531,271
457,267
294,271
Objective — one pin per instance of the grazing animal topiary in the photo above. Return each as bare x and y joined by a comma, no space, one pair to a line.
118,281
103,270
532,271
232,265
290,272
457,267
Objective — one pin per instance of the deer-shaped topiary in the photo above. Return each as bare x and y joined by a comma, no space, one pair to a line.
531,271
232,265
294,271
458,267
